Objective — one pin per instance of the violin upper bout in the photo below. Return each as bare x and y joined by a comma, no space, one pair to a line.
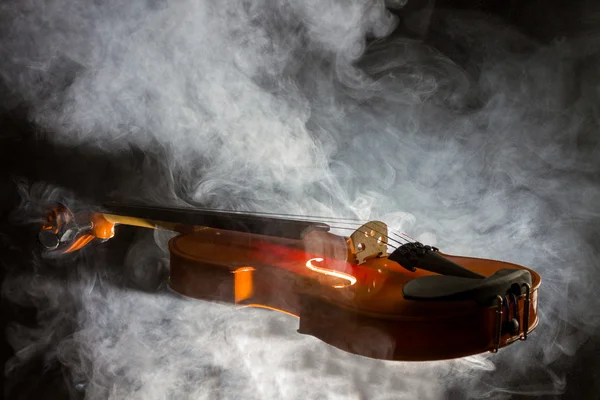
368,241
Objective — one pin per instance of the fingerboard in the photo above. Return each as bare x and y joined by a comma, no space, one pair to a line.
232,221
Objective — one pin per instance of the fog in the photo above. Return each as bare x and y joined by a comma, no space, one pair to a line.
482,142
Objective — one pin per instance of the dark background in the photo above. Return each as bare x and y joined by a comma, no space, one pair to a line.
27,156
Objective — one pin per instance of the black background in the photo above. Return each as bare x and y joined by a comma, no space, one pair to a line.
26,156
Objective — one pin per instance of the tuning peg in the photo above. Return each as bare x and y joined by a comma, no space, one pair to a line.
49,240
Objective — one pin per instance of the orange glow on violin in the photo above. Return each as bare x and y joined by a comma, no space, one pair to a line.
412,304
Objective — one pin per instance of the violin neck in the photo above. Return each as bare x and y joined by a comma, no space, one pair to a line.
178,219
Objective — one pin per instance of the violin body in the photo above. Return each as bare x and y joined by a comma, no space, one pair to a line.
369,317
414,304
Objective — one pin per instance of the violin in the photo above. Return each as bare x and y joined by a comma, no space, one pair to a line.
414,303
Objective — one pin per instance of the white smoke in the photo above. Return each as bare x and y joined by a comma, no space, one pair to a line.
282,106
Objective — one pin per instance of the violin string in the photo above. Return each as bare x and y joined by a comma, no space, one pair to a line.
297,217
316,219
386,243
383,234
387,237
405,238
312,218
366,233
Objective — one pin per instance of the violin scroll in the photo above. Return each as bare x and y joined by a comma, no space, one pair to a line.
63,231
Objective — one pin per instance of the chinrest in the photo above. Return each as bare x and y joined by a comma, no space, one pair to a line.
451,288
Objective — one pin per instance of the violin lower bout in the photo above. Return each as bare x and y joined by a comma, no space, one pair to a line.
424,339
